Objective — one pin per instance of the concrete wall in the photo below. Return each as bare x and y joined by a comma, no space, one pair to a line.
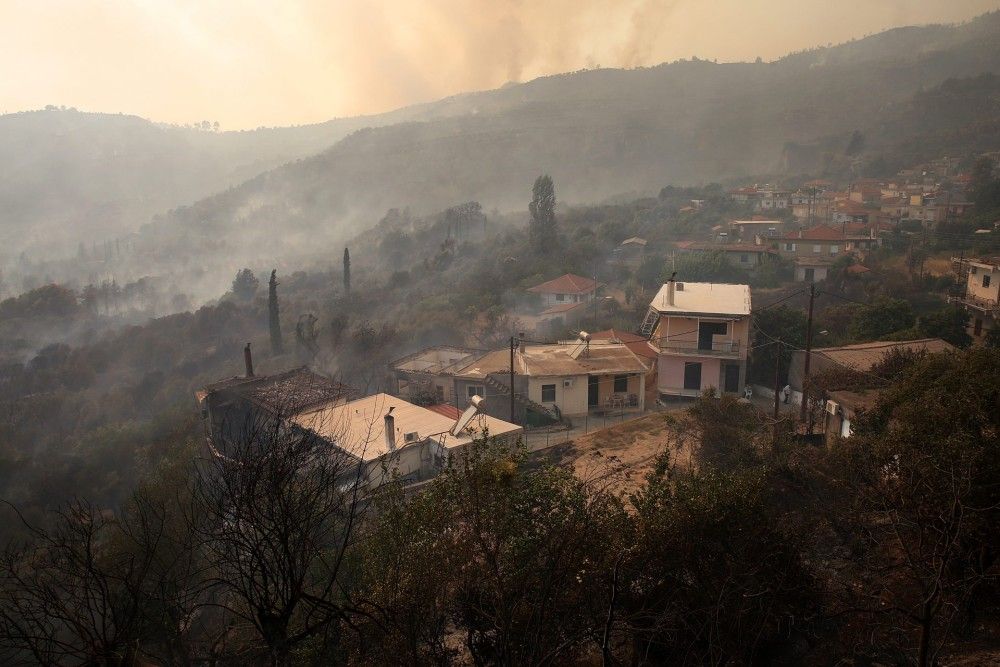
670,373
975,284
819,273
570,400
685,330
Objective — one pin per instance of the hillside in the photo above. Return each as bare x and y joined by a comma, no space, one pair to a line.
598,133
85,177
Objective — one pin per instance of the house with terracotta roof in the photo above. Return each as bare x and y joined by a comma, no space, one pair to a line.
814,250
747,230
566,289
701,332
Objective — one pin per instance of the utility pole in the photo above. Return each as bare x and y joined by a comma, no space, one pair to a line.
513,344
777,389
809,340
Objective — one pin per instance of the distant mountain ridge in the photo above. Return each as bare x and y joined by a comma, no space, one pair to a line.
597,132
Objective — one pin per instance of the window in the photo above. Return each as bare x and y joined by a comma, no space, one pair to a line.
986,280
817,248
621,384
560,297
744,258
548,393
834,249
790,247
475,390
439,393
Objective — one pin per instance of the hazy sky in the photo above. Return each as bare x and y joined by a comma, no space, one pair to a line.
247,63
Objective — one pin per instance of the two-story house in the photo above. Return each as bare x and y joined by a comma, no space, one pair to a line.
982,293
701,331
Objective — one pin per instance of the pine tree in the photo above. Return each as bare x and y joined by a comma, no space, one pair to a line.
347,271
272,312
542,228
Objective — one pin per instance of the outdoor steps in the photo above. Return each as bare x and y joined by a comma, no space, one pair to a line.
520,399
648,323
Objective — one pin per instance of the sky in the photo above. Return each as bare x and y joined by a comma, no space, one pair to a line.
251,63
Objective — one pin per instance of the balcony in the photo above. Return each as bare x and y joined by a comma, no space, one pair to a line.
693,348
974,302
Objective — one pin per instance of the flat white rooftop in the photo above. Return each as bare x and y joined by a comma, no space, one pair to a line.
704,299
358,427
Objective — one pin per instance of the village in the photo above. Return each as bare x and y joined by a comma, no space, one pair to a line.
554,382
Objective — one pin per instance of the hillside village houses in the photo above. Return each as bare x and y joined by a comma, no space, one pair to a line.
814,250
981,294
702,334
379,435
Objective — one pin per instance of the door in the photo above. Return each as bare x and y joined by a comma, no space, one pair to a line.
810,275
692,375
732,378
977,328
708,329
592,381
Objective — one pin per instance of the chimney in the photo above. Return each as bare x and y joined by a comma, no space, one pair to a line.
390,430
248,359
520,343
671,286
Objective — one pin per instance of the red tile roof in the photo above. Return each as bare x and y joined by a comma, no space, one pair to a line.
566,284
449,411
726,247
858,269
623,336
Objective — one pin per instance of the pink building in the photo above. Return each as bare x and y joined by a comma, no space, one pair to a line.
702,332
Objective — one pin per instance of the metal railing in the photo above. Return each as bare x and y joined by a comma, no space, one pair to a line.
976,302
693,347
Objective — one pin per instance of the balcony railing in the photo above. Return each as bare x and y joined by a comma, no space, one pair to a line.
978,303
717,349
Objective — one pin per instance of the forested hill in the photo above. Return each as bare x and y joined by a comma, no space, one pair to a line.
72,177
598,133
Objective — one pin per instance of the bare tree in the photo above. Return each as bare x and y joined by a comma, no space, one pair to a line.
280,507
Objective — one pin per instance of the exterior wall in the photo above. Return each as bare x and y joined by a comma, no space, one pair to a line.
570,400
684,332
606,390
670,375
550,299
974,286
807,248
670,365
819,273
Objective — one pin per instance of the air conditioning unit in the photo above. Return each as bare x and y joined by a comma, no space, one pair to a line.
832,407
412,436
567,383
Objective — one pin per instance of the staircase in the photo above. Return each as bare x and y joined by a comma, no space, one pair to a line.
521,399
646,329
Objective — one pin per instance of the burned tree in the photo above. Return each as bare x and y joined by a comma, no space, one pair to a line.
281,506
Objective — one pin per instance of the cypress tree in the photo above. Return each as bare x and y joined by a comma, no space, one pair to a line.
542,229
347,271
272,313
